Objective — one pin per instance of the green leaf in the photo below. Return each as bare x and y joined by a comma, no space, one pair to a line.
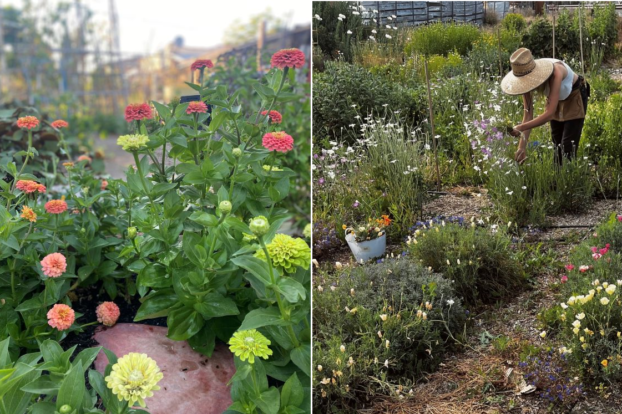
255,266
292,392
73,388
204,342
42,385
241,373
154,275
156,305
269,401
291,289
183,323
111,402
301,356
214,305
263,90
163,110
87,356
263,317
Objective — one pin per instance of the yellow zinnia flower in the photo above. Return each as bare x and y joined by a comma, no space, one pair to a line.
250,344
133,378
132,142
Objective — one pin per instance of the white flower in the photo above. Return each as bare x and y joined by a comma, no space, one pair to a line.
388,36
383,316
564,306
543,334
604,301
317,17
386,363
380,334
581,316
342,348
450,302
374,31
320,368
387,343
338,265
349,32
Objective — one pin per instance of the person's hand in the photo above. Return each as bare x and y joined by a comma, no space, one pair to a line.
521,153
515,132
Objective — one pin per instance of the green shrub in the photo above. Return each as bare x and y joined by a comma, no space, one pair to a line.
442,38
602,86
566,37
610,232
363,308
538,38
343,85
478,260
514,22
602,131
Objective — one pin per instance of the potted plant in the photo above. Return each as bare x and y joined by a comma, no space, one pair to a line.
368,240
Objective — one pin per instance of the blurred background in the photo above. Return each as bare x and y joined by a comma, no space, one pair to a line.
84,60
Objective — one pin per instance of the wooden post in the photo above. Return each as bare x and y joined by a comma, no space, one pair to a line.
581,38
499,50
553,34
434,146
260,42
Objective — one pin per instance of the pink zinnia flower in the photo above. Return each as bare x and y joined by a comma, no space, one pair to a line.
198,107
569,267
138,112
54,265
29,186
278,141
619,218
56,206
58,124
104,185
61,317
275,116
108,313
291,58
202,63
84,158
564,279
28,122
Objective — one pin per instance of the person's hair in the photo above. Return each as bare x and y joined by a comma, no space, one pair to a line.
544,89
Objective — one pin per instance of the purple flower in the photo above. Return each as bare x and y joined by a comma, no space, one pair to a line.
356,204
320,181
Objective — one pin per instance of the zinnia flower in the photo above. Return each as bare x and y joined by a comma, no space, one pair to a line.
58,124
29,186
202,63
287,253
84,158
27,122
250,344
56,206
291,58
104,185
275,116
569,267
29,214
278,141
132,142
54,265
108,313
61,317
133,378
198,107
138,112
564,279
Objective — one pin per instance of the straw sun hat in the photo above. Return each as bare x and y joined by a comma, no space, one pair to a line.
527,74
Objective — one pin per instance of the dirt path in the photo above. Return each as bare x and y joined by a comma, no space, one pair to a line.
116,159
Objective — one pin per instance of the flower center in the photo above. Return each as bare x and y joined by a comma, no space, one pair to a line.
249,339
135,376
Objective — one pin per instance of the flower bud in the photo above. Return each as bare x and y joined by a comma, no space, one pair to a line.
131,232
237,152
65,409
225,207
259,225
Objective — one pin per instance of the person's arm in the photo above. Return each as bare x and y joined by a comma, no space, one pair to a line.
521,152
551,103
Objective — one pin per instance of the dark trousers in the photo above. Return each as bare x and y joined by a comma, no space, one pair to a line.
566,135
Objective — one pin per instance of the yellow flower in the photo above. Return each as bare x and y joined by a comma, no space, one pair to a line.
543,334
604,301
383,316
604,363
250,344
133,378
610,289
132,142
287,253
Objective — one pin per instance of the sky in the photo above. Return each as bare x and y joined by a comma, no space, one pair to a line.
149,25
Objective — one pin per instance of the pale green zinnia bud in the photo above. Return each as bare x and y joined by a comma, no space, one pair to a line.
225,207
259,226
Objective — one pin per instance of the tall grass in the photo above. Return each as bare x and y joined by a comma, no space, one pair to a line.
442,38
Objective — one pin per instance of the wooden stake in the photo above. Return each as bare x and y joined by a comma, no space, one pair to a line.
553,35
434,146
499,49
581,38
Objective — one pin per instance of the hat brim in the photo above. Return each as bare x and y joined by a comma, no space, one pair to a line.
518,85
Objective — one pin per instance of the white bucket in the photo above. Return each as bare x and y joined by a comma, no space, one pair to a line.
367,249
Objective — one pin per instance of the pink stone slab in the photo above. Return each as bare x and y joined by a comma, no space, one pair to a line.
192,383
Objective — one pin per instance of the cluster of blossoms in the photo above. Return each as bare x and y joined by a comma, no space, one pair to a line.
370,230
548,373
29,186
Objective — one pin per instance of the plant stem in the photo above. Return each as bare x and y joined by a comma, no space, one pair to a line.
15,179
142,178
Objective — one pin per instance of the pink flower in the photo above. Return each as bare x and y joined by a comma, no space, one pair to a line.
29,186
564,279
61,317
58,124
104,185
54,265
138,112
27,122
278,141
56,206
275,116
84,158
619,218
291,58
596,256
108,313
583,268
202,63
198,107
569,267
594,249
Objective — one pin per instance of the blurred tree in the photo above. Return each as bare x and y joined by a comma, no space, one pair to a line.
241,32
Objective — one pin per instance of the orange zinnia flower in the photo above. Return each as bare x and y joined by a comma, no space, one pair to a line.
291,58
54,265
278,141
28,122
61,317
108,313
29,214
56,206
198,107
58,124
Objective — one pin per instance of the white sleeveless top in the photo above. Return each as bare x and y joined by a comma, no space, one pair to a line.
566,86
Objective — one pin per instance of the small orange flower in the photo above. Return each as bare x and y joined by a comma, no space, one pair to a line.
292,58
58,124
56,206
108,313
61,317
84,158
275,116
68,164
27,122
198,107
104,185
29,214
343,226
278,141
29,186
605,363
